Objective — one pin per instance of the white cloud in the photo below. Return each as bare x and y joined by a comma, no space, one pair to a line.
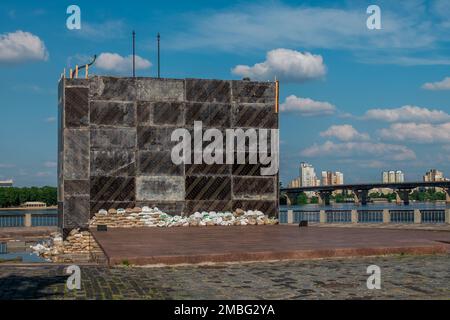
50,119
382,151
417,132
406,29
440,85
7,165
20,46
42,174
407,113
287,65
111,29
116,63
307,106
50,164
344,132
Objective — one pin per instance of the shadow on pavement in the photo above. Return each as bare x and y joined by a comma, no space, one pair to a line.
15,287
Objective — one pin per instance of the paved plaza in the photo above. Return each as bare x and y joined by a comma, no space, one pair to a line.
402,277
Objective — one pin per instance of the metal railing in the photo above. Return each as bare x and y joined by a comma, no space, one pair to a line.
407,216
11,221
370,216
305,215
339,216
28,220
402,216
44,220
432,216
3,248
282,216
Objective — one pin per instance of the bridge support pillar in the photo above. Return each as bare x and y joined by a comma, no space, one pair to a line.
354,216
288,200
447,195
417,216
290,216
322,216
361,196
447,216
324,197
386,216
402,196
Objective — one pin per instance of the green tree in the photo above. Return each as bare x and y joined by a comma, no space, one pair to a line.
14,197
302,199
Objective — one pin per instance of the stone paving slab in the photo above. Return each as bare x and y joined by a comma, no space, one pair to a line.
142,246
402,277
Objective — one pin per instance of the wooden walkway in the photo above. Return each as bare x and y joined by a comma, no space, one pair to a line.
149,246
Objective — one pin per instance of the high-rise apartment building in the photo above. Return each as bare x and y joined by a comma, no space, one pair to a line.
296,183
434,175
330,178
308,175
393,176
399,176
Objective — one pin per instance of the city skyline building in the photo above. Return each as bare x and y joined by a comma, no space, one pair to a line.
6,183
330,178
308,176
392,176
434,175
295,183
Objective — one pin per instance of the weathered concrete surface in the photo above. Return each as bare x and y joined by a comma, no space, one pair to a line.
154,188
112,113
114,148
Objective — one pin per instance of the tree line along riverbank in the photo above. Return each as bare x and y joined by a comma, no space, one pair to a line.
428,195
14,197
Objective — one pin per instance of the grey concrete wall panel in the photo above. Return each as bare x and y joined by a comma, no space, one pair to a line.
149,89
114,146
254,188
152,163
253,92
76,154
155,138
76,107
76,212
122,138
208,188
210,114
201,90
76,187
110,88
255,116
112,188
113,162
113,113
160,188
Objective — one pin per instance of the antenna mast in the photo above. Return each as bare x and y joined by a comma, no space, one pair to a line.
159,61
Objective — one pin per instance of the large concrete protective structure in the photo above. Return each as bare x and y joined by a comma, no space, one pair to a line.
114,148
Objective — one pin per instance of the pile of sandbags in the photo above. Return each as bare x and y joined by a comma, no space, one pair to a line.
153,217
56,249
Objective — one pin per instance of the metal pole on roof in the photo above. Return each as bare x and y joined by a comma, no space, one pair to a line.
159,61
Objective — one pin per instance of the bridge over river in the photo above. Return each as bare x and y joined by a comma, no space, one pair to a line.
361,191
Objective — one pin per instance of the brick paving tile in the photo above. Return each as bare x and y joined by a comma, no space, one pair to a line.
403,277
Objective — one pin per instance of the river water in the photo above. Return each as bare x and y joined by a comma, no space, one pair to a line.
21,212
370,206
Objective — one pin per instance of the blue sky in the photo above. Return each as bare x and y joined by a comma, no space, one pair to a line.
355,100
